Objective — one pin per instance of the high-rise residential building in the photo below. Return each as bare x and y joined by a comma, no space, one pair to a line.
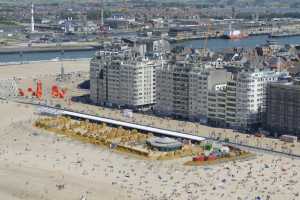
251,88
283,108
123,77
242,103
216,111
231,102
182,89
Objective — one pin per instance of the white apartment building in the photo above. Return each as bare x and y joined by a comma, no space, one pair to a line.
251,95
242,102
182,89
123,79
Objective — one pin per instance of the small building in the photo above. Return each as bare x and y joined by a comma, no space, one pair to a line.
181,32
117,23
164,143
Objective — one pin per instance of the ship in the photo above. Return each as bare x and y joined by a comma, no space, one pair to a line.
234,34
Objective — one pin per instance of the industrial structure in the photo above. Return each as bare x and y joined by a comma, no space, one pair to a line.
32,19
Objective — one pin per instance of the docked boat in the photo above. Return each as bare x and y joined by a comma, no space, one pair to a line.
234,34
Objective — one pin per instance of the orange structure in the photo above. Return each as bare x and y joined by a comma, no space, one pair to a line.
39,89
57,93
35,93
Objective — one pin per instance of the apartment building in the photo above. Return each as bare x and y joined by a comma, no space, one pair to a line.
216,111
242,102
283,108
182,89
251,86
123,78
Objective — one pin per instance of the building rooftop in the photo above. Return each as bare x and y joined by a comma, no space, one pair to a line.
164,142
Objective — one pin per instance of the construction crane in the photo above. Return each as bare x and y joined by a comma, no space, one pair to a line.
207,35
102,29
205,44
125,7
102,14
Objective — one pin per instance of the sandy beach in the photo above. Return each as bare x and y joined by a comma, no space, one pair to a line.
37,69
39,165
35,164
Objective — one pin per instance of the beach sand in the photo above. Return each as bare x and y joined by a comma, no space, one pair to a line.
39,165
35,165
38,69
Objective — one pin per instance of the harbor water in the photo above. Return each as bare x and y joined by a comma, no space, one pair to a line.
41,56
250,42
213,44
